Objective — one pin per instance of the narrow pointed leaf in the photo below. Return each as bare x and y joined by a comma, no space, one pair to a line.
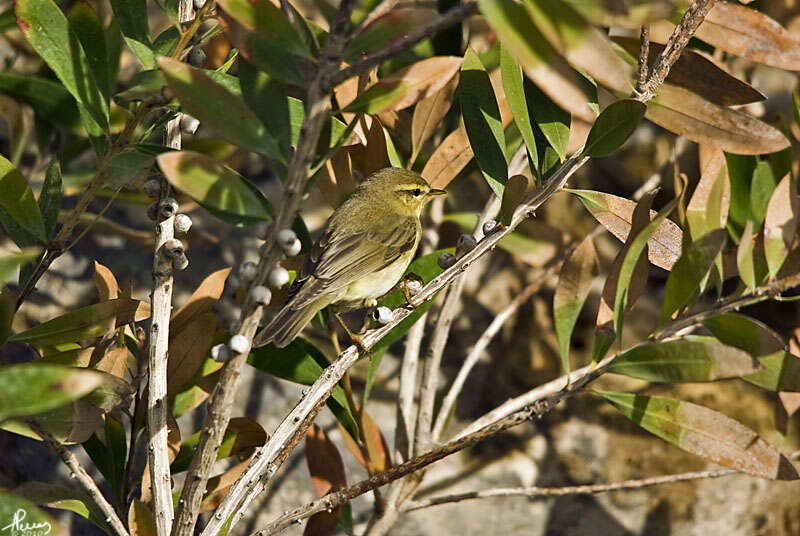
429,113
482,121
83,20
553,122
218,188
636,248
48,32
537,57
10,262
613,127
18,202
327,475
764,183
684,361
86,323
780,223
219,108
515,93
688,114
705,433
745,263
574,284
615,214
692,267
131,15
50,198
266,20
30,388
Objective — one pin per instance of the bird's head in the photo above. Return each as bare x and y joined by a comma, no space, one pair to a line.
404,191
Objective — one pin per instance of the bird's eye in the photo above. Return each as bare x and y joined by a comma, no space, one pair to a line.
416,192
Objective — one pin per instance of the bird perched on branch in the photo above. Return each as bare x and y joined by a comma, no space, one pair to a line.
362,254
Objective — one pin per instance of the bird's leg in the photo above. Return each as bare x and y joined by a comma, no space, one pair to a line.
334,337
405,285
354,337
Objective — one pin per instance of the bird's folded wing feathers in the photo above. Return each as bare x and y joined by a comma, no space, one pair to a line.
337,260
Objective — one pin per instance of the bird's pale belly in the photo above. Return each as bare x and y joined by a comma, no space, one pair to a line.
374,285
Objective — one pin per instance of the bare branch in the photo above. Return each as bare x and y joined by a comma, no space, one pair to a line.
692,18
83,478
220,406
543,493
477,351
644,53
336,499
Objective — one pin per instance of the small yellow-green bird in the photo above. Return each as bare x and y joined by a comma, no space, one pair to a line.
365,249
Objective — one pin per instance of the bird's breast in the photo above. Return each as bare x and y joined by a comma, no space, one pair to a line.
376,284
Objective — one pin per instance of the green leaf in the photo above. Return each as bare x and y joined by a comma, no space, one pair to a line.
552,121
482,121
241,435
689,272
48,99
705,433
684,360
745,257
266,20
574,285
83,20
62,498
613,127
50,197
132,18
48,32
18,202
517,102
219,108
10,506
740,173
302,363
110,454
781,370
761,188
85,323
218,188
30,388
629,263
10,262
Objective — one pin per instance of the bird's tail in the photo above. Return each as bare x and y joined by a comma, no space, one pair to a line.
288,323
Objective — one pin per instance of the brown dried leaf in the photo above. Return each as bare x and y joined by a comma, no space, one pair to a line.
687,114
447,161
780,223
140,519
428,115
751,34
407,86
374,155
377,449
790,401
708,208
188,348
201,301
107,286
700,74
336,179
327,475
218,486
114,361
615,214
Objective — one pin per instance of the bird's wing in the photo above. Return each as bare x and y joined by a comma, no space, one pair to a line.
338,259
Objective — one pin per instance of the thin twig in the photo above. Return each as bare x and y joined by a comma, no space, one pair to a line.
644,54
692,18
336,499
220,405
543,493
83,478
453,16
477,351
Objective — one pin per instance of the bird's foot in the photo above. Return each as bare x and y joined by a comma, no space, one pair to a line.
411,284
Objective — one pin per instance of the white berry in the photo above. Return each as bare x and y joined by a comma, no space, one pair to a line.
247,271
382,315
238,344
278,277
260,295
220,353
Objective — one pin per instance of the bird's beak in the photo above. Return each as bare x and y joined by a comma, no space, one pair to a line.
434,192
